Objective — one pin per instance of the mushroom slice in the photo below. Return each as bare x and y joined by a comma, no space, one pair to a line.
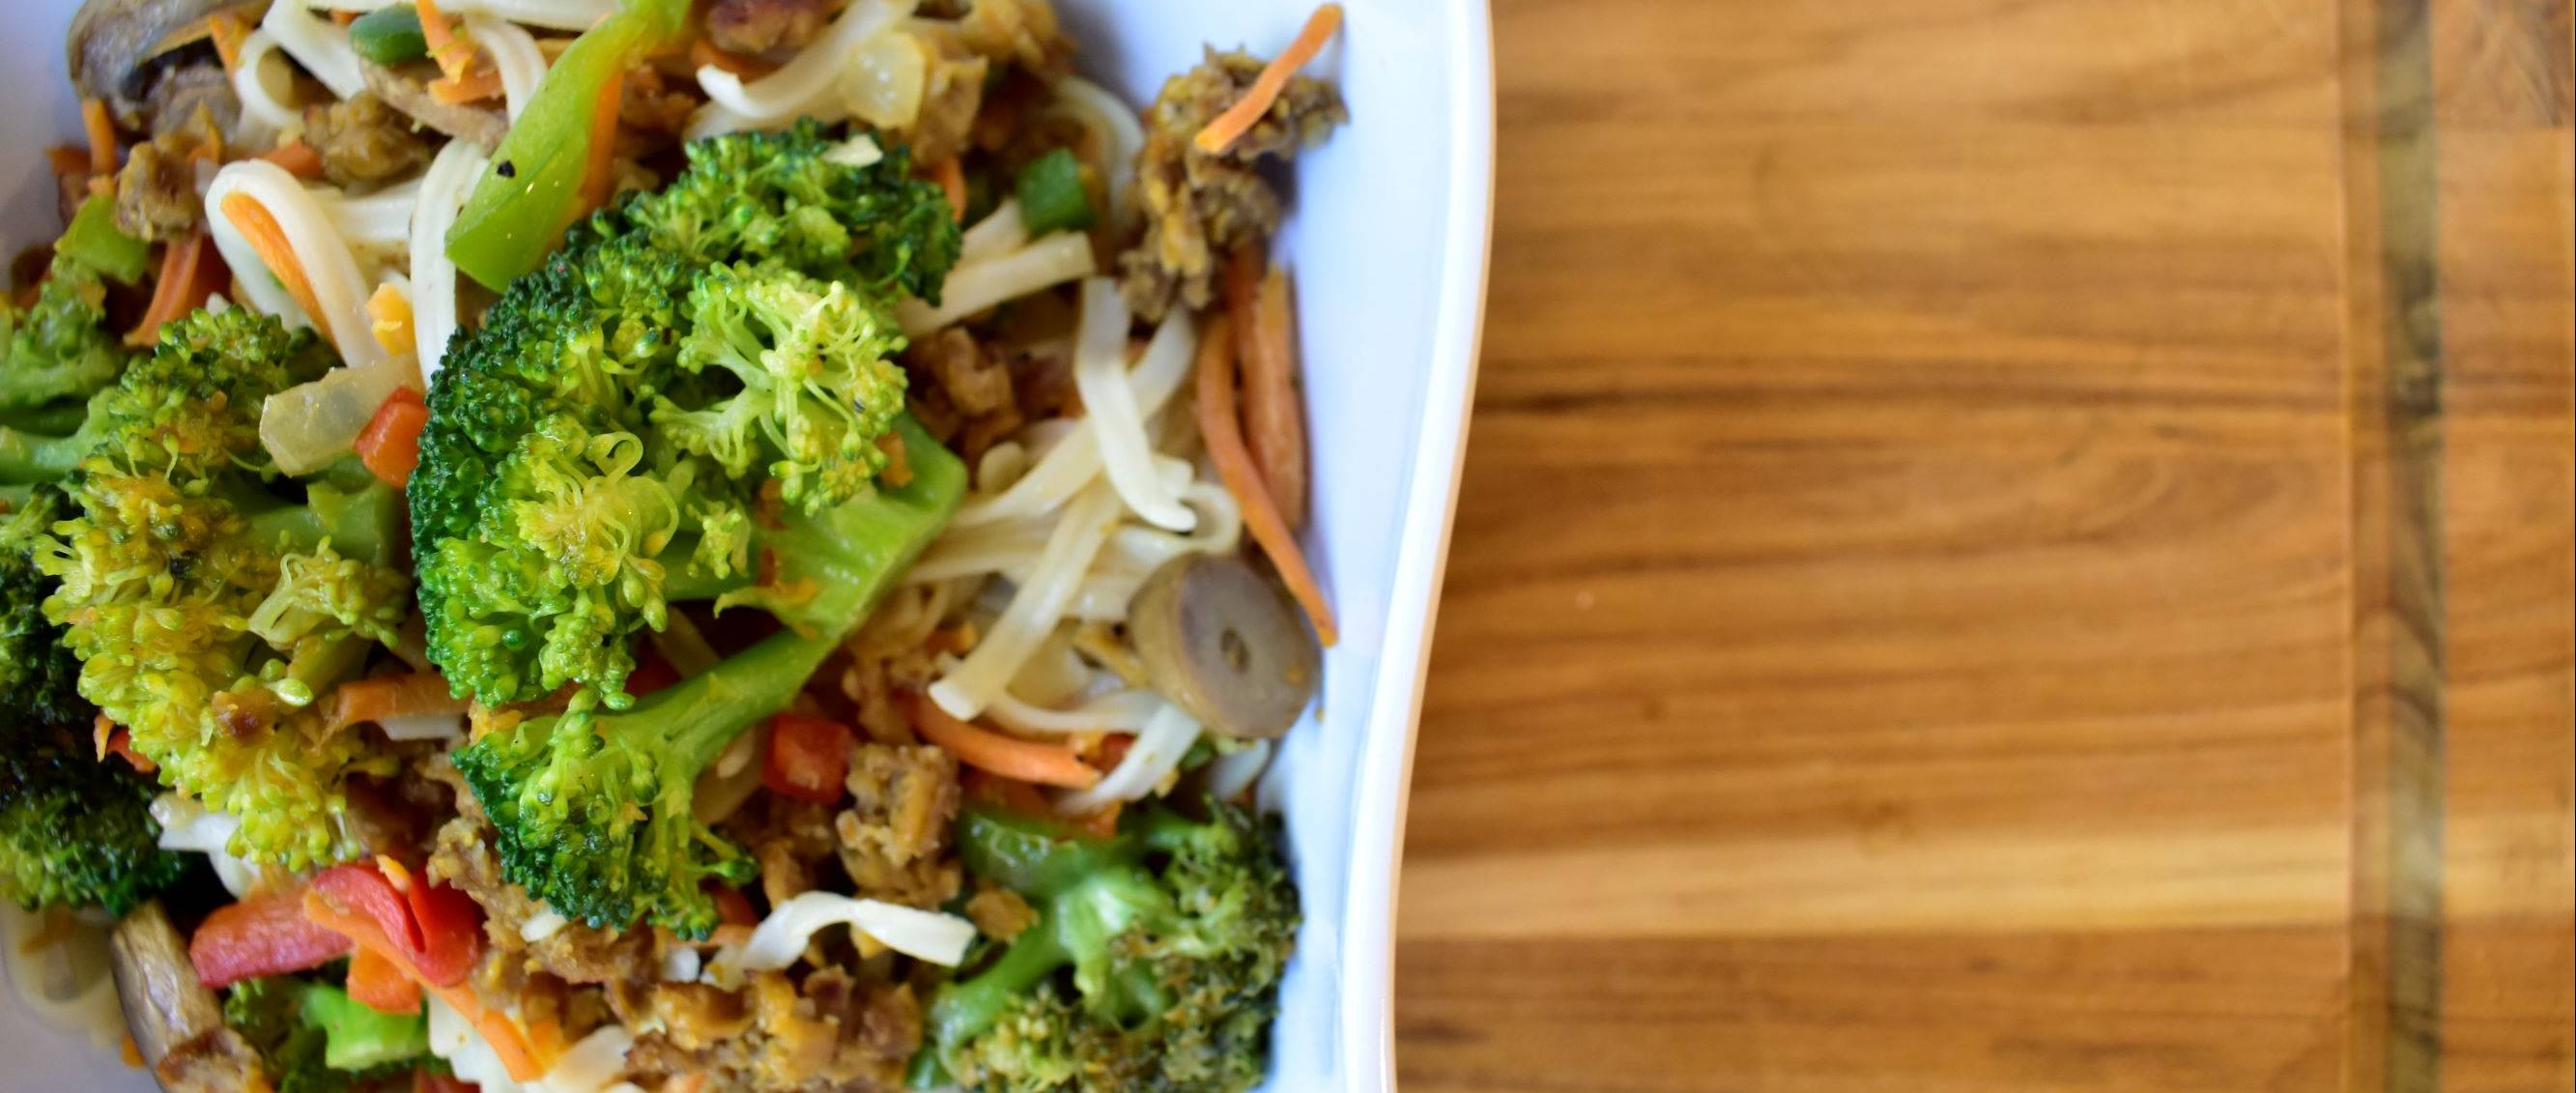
1226,644
176,1023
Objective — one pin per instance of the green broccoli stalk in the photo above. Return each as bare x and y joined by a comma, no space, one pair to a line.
60,347
75,830
312,1037
1153,964
210,601
592,810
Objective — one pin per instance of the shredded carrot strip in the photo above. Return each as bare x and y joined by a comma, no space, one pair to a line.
102,138
298,158
182,286
1224,439
344,17
475,86
67,160
504,1034
447,45
703,52
1246,112
101,730
599,169
1274,423
951,177
228,33
390,311
985,749
391,696
260,230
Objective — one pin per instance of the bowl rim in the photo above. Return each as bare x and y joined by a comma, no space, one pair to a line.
1384,782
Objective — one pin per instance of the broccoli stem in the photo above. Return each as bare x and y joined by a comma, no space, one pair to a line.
28,456
55,418
696,718
362,525
965,1009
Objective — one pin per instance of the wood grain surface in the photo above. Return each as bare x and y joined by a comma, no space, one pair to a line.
2011,545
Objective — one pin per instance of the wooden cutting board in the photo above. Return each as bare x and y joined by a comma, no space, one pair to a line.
2011,545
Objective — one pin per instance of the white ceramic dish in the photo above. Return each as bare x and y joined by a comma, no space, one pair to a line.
1388,240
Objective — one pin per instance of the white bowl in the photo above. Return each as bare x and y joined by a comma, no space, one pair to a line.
1388,242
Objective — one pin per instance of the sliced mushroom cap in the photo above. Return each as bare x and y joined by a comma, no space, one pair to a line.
176,1023
1226,643
406,89
117,48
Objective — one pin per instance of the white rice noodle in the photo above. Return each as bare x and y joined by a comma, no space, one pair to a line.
328,264
1117,711
1074,461
1035,607
1002,465
1148,767
1052,675
260,98
318,44
999,233
546,923
188,825
380,219
1100,373
1228,775
590,1066
806,86
443,190
550,14
860,150
1133,553
515,54
973,287
730,781
424,726
781,938
68,985
682,965
1122,137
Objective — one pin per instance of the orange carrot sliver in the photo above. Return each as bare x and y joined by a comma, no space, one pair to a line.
1224,439
102,138
260,230
599,167
392,696
389,318
380,984
228,34
1274,423
951,177
1238,119
497,1028
184,282
298,158
67,159
987,750
452,52
472,87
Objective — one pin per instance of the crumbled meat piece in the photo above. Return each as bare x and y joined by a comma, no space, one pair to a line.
1199,206
1000,913
869,683
830,1033
952,92
692,1016
654,105
219,1061
759,26
894,834
407,90
1018,32
156,190
963,392
788,837
575,952
363,139
180,91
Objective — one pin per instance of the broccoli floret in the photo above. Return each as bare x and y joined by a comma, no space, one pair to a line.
59,347
592,810
290,1022
1153,965
785,195
209,600
75,830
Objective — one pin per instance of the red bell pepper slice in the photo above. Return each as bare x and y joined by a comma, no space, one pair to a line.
437,928
263,935
809,758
